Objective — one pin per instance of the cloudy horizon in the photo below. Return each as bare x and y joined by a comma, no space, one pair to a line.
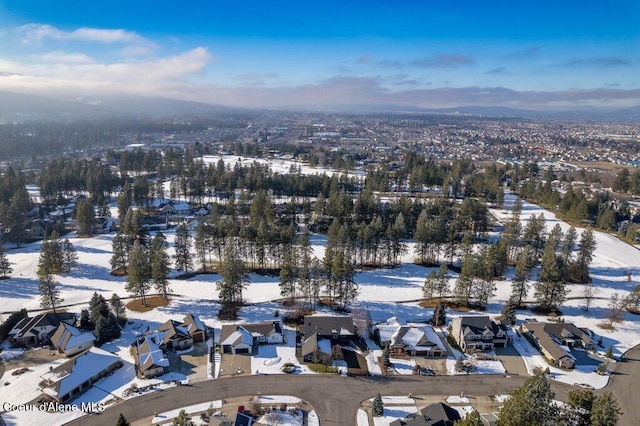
252,54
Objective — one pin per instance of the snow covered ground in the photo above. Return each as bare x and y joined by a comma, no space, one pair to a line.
385,292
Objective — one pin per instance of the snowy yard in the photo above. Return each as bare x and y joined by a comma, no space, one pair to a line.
384,292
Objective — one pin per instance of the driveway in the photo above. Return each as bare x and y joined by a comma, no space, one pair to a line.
512,361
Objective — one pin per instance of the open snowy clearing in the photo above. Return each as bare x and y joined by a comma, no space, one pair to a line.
385,292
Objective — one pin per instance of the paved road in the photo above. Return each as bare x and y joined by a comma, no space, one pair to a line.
335,399
624,386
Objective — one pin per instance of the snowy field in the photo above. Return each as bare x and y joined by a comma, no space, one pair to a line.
385,292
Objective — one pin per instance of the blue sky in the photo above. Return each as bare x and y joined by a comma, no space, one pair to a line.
430,53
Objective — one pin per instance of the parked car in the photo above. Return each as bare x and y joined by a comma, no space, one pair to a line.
427,372
584,386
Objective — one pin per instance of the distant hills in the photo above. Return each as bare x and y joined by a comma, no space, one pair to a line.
24,107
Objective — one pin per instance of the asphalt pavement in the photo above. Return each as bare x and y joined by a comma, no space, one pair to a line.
336,399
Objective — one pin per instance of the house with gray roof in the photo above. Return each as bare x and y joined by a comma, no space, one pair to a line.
478,333
70,341
37,330
414,340
436,414
555,340
150,360
242,338
332,327
74,377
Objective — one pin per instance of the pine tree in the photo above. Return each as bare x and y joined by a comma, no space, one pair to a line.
509,312
69,256
586,247
159,264
118,309
439,315
202,244
605,411
122,421
465,281
183,256
578,411
471,419
85,320
234,277
51,256
530,405
85,216
49,291
632,301
139,272
550,290
121,247
183,419
5,266
430,285
124,201
343,273
288,278
377,408
385,356
522,276
98,307
107,328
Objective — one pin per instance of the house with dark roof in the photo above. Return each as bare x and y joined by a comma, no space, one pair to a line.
478,333
69,340
437,414
37,330
329,326
555,340
321,332
241,338
72,378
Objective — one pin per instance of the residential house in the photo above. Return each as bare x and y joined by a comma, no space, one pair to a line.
411,340
555,340
436,414
473,333
69,340
244,337
175,335
240,341
149,358
154,223
321,332
202,211
196,328
329,326
37,330
72,378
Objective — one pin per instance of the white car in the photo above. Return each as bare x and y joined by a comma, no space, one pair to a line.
584,386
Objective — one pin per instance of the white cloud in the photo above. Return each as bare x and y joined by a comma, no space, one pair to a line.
57,57
134,43
67,72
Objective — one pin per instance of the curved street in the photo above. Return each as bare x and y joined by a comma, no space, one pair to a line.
622,385
336,399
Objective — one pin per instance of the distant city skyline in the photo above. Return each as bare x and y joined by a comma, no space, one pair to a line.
430,54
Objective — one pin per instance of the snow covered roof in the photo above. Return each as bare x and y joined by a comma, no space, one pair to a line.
83,368
150,354
67,336
241,335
